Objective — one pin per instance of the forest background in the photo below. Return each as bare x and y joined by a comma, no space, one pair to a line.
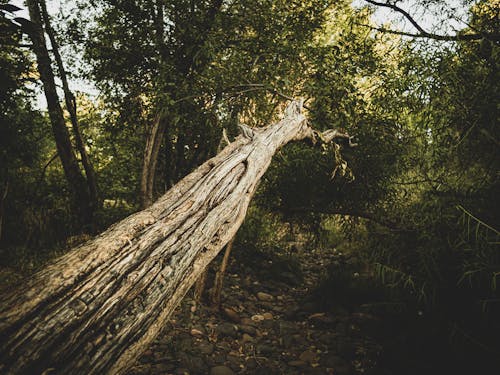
416,200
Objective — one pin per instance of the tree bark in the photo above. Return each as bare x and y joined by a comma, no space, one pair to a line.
76,181
95,309
151,151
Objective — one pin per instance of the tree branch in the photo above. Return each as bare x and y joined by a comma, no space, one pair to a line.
423,33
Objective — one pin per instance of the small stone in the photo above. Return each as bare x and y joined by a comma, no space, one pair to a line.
206,348
251,363
248,329
247,322
265,349
196,332
246,338
265,297
258,318
231,314
221,370
234,362
297,363
308,356
267,316
227,329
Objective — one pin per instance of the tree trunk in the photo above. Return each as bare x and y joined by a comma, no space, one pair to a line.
95,309
151,151
76,181
71,107
216,291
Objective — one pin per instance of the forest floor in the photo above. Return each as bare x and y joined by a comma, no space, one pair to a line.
271,322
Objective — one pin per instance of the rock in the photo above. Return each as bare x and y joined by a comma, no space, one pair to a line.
227,329
197,365
265,297
269,324
267,316
231,315
297,363
258,318
248,329
246,338
221,370
308,356
251,363
234,362
265,349
266,305
219,358
206,348
196,332
247,322
181,371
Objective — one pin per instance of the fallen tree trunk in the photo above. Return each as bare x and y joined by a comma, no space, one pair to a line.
96,308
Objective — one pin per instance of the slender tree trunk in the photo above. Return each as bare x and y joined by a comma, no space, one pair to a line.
151,152
155,136
76,181
71,107
216,292
95,309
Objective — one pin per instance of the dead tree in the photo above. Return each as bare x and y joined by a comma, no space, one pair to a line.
95,309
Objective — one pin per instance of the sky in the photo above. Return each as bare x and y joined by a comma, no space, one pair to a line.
429,21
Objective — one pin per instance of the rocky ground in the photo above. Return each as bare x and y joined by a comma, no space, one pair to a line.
270,322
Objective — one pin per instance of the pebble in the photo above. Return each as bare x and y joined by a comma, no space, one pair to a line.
196,332
246,338
308,356
267,316
247,322
206,348
227,329
231,315
258,318
265,297
248,329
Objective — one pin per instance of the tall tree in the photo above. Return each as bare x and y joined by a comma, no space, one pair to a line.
71,107
81,201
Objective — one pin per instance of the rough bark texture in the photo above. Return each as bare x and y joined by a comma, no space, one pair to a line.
96,308
76,181
151,151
